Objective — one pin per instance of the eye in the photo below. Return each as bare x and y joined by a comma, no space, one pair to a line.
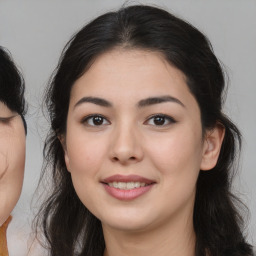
5,120
95,120
160,120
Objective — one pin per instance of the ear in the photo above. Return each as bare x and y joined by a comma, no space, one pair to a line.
212,145
62,139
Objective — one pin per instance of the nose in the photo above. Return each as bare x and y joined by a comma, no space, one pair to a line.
126,146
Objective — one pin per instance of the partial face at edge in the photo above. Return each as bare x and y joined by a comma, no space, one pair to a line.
12,160
132,113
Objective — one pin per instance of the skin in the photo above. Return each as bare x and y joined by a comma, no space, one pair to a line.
130,141
12,160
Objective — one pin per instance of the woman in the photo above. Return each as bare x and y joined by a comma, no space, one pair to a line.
12,141
139,150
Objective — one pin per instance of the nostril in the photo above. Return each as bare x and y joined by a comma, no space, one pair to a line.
115,159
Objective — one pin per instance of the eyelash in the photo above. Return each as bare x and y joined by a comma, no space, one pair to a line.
105,121
5,120
167,118
90,117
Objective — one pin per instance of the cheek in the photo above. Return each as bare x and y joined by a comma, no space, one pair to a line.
86,155
178,158
86,158
178,163
12,155
12,148
3,162
12,161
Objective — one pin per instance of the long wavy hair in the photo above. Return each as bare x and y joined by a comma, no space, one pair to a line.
67,225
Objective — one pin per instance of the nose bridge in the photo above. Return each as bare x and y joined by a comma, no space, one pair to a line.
125,142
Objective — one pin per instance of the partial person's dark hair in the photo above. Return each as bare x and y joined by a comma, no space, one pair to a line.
12,85
69,228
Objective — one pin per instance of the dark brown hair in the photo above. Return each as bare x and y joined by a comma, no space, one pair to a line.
12,85
69,228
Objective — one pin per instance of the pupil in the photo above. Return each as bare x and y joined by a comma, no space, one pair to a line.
97,120
159,120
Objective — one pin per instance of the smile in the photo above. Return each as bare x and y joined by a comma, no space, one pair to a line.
127,187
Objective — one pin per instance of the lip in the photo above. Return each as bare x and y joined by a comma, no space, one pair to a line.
127,178
124,194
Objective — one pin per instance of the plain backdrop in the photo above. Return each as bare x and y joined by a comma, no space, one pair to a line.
36,31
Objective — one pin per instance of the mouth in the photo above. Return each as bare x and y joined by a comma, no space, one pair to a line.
127,187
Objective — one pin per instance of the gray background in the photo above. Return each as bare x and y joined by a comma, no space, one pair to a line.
35,32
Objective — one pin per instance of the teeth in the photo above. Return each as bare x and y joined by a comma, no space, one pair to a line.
127,185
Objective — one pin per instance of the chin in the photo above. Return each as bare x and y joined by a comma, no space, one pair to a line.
7,204
128,227
127,221
5,213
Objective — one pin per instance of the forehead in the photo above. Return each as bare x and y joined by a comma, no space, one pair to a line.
4,110
133,74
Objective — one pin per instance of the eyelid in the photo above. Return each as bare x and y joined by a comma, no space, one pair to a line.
86,118
6,119
169,118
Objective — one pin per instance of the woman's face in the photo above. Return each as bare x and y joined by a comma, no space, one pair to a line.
12,160
134,144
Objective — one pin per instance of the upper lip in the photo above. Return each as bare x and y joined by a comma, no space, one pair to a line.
127,178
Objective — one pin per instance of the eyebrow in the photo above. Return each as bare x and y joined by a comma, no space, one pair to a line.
157,100
142,103
94,100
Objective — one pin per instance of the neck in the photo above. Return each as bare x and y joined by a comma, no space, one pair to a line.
3,240
175,238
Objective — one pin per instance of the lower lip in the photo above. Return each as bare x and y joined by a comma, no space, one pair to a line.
130,194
